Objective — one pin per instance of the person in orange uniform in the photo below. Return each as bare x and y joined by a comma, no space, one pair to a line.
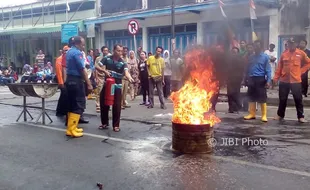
292,64
62,101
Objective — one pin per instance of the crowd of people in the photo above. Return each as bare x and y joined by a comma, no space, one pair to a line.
263,70
8,75
80,75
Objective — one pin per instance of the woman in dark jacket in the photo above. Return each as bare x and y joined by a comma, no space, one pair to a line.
144,78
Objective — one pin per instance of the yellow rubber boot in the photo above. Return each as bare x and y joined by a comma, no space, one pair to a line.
252,111
80,130
264,112
73,122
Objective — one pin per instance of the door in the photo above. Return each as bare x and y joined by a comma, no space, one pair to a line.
125,41
183,41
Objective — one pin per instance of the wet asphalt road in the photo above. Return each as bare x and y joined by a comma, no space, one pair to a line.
36,157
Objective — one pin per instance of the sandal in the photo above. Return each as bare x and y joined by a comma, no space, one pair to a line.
98,110
116,129
103,127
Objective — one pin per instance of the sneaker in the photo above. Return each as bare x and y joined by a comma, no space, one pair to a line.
163,107
302,120
143,103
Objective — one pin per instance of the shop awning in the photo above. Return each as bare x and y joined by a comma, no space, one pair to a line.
39,29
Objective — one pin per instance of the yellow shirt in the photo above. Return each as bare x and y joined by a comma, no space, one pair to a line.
155,66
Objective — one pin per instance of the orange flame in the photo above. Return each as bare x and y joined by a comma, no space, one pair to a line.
192,102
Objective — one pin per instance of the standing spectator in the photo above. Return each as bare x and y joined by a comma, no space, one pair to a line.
99,75
234,79
292,64
149,54
62,107
243,49
244,96
259,78
177,67
96,54
304,77
40,58
90,59
134,72
286,46
219,59
139,50
144,77
272,59
167,74
156,66
60,52
125,82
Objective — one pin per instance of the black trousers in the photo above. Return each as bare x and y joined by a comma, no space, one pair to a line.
76,94
214,100
166,89
284,90
257,91
144,87
304,83
116,108
245,101
233,93
62,106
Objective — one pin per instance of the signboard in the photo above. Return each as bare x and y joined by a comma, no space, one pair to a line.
133,27
91,31
68,31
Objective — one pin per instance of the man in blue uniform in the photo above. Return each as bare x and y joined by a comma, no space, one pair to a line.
76,79
258,77
114,66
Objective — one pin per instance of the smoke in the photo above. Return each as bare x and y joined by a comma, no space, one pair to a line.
225,66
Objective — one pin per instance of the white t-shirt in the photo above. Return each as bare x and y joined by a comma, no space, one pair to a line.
272,64
271,54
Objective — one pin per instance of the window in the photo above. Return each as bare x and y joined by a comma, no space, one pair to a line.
153,31
179,28
191,28
165,30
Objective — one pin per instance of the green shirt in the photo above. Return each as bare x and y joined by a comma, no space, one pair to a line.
243,52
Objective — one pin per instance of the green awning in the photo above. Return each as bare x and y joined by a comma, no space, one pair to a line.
39,29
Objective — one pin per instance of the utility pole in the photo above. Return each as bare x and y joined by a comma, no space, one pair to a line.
173,25
67,11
